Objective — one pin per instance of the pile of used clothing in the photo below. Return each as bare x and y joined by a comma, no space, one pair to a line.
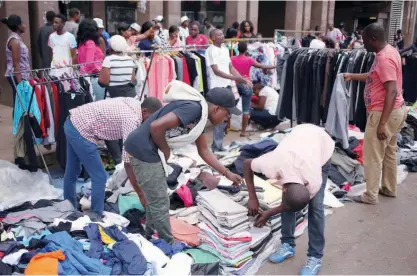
209,221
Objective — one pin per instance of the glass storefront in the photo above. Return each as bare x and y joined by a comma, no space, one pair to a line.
215,11
119,11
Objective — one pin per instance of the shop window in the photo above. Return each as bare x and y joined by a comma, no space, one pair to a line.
120,11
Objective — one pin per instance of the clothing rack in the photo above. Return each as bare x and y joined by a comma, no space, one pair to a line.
42,71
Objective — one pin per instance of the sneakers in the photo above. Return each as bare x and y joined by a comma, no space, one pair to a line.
312,266
283,253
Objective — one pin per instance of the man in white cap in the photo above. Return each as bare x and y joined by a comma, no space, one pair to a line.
184,33
105,35
161,34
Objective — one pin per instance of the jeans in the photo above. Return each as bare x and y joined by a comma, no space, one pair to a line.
246,94
81,151
218,136
115,149
151,179
316,220
264,118
97,89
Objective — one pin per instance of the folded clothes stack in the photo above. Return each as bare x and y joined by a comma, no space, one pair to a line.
224,226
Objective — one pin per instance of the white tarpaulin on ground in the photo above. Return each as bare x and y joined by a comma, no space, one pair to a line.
19,186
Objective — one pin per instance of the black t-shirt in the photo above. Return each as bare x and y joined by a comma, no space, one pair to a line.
139,143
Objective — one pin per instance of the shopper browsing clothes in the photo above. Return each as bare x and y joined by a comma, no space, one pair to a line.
181,122
387,113
222,73
112,119
300,165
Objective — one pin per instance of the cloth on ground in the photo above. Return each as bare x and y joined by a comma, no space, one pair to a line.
351,169
185,232
134,216
169,249
128,202
14,258
151,253
76,262
201,257
45,264
179,265
205,269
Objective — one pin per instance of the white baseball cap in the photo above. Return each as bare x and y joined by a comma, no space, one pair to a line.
135,26
159,18
99,23
118,43
184,18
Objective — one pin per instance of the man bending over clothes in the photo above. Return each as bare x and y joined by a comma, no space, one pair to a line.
181,122
112,119
300,164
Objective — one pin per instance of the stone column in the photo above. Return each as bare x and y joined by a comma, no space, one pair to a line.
153,9
235,11
330,12
319,15
252,13
172,13
98,10
293,17
307,15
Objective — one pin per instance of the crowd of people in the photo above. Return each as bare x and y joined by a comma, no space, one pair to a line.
150,131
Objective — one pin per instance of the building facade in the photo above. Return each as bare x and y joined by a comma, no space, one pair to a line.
293,16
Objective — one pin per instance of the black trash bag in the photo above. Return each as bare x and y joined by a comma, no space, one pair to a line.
205,269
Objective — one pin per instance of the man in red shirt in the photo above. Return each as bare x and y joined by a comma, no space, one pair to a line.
387,113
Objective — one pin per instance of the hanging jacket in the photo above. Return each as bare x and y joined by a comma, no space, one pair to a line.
24,92
338,117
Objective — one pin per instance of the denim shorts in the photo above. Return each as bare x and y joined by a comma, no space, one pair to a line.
246,93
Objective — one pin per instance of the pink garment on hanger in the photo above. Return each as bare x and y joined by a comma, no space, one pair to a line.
185,232
186,196
160,74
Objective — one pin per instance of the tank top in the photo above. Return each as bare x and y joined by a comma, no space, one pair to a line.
24,56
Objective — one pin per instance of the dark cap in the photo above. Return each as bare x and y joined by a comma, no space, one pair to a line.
223,97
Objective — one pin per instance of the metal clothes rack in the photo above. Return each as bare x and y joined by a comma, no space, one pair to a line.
42,71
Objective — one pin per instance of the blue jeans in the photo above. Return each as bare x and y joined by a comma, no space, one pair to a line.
81,151
246,93
97,89
315,221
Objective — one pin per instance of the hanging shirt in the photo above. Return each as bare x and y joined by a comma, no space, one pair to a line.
387,67
112,119
298,158
87,53
218,56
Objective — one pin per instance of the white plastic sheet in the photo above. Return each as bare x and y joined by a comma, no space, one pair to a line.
18,186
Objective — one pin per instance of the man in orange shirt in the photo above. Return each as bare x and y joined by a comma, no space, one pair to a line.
386,115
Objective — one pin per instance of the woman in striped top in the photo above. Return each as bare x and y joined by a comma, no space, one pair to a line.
119,70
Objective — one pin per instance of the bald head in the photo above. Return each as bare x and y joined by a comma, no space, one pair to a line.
374,37
295,197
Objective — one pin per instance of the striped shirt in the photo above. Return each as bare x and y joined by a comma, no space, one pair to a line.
121,68
112,119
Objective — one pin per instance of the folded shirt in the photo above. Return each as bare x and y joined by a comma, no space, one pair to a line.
228,222
243,236
226,261
223,230
219,203
258,234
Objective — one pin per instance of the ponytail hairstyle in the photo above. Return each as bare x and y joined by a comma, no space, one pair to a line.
13,22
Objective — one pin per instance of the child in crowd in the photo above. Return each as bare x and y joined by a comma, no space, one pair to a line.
300,164
264,109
